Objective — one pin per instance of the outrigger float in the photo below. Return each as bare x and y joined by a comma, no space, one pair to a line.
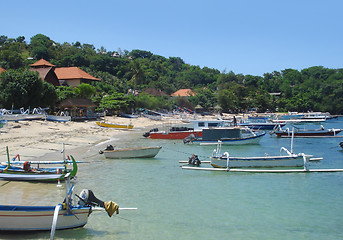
289,163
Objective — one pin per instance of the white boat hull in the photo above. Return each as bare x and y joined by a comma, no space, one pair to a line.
267,161
30,177
58,118
22,218
142,152
247,140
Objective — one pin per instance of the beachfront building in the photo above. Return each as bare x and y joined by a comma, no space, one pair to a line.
61,76
79,109
73,76
46,71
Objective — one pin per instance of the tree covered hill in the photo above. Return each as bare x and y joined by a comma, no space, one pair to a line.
316,88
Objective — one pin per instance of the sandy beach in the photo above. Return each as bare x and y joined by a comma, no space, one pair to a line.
34,139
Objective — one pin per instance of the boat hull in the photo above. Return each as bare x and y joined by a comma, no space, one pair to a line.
143,152
112,125
261,126
256,162
58,118
234,141
308,133
34,218
38,175
174,135
30,177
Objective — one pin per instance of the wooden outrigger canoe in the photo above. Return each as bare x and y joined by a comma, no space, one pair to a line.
12,173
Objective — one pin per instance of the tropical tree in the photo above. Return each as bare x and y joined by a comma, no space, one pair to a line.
116,102
24,89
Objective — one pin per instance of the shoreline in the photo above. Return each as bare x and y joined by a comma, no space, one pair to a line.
35,139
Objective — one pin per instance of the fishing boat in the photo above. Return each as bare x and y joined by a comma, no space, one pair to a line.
114,125
138,152
22,115
317,115
126,115
56,118
219,160
59,117
227,135
28,173
66,215
260,123
298,132
182,131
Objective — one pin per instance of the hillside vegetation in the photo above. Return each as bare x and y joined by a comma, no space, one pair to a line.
312,89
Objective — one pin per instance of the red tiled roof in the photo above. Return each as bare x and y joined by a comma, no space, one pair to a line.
42,63
73,73
183,93
2,70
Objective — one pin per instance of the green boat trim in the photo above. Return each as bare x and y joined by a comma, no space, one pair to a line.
10,175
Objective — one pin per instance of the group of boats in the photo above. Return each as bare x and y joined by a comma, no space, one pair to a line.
66,215
73,213
250,131
35,114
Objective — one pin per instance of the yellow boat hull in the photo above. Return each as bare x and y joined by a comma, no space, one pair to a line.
113,125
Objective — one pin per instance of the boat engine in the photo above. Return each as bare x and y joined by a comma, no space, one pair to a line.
87,198
194,160
147,134
108,148
189,139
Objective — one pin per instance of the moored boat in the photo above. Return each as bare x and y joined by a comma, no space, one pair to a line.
182,131
137,152
28,173
229,135
36,174
219,160
298,132
261,124
66,215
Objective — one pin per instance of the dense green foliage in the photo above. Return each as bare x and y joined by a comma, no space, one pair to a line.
316,88
25,89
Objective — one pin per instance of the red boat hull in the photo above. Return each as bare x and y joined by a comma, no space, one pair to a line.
174,135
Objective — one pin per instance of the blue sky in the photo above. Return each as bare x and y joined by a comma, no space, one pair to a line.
248,37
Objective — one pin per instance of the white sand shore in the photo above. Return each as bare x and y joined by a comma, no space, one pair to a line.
34,139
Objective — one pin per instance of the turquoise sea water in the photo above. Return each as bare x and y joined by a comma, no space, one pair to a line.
183,204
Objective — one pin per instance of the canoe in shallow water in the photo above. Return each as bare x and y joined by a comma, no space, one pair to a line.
140,152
